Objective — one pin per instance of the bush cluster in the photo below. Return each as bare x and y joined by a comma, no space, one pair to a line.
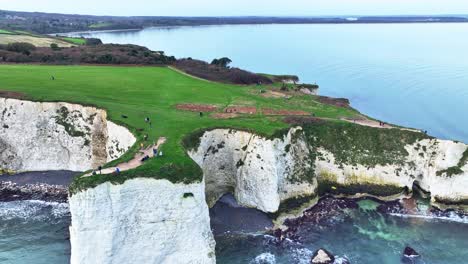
219,72
89,54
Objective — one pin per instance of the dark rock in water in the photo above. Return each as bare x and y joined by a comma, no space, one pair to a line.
322,256
410,256
10,191
391,207
62,178
323,213
410,252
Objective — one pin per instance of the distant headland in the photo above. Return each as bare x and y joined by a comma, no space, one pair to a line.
47,23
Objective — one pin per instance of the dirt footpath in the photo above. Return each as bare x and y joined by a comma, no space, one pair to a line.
136,161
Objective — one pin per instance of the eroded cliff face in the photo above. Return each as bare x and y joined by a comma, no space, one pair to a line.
141,221
262,173
427,164
259,172
38,136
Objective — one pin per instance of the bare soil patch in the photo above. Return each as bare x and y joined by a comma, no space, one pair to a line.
241,110
339,102
267,111
137,159
10,94
197,107
274,94
224,115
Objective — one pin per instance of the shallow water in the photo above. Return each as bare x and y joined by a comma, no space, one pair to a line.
362,235
409,74
34,232
37,232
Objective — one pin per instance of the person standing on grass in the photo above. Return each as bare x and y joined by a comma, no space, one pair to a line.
155,152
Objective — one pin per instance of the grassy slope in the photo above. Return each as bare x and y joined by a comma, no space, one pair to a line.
139,92
2,31
38,41
100,25
77,41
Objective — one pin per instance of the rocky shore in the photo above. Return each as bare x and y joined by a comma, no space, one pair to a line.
328,208
10,191
51,186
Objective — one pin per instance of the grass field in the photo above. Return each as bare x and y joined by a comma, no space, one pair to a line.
37,41
77,41
140,92
100,25
2,31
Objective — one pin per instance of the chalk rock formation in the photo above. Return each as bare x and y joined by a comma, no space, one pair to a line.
262,172
141,221
259,172
38,136
428,164
322,256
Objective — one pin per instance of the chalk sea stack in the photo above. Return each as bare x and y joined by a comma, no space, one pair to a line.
322,256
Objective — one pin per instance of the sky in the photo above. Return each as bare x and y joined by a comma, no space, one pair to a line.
240,7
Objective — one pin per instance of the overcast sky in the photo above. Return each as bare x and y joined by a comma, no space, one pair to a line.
240,7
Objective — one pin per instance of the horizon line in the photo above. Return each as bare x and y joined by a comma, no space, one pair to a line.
243,16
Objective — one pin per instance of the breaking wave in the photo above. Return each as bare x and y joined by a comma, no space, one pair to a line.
33,210
264,258
453,217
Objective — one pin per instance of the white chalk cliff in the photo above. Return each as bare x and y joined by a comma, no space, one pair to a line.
262,173
37,136
259,172
141,221
145,220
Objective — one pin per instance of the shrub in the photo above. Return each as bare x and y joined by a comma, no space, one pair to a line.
222,62
93,41
215,72
21,47
54,46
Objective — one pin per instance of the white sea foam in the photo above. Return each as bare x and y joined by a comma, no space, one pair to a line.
264,258
452,218
302,255
32,210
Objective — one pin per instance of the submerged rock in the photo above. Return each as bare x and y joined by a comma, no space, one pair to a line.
322,256
410,252
324,212
411,256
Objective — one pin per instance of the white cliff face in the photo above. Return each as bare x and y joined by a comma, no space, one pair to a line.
119,141
262,173
38,136
141,221
259,172
424,165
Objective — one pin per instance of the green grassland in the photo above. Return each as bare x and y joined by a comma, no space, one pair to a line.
139,92
2,31
100,25
36,40
77,41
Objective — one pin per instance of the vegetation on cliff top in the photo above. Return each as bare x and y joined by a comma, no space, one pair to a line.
130,94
